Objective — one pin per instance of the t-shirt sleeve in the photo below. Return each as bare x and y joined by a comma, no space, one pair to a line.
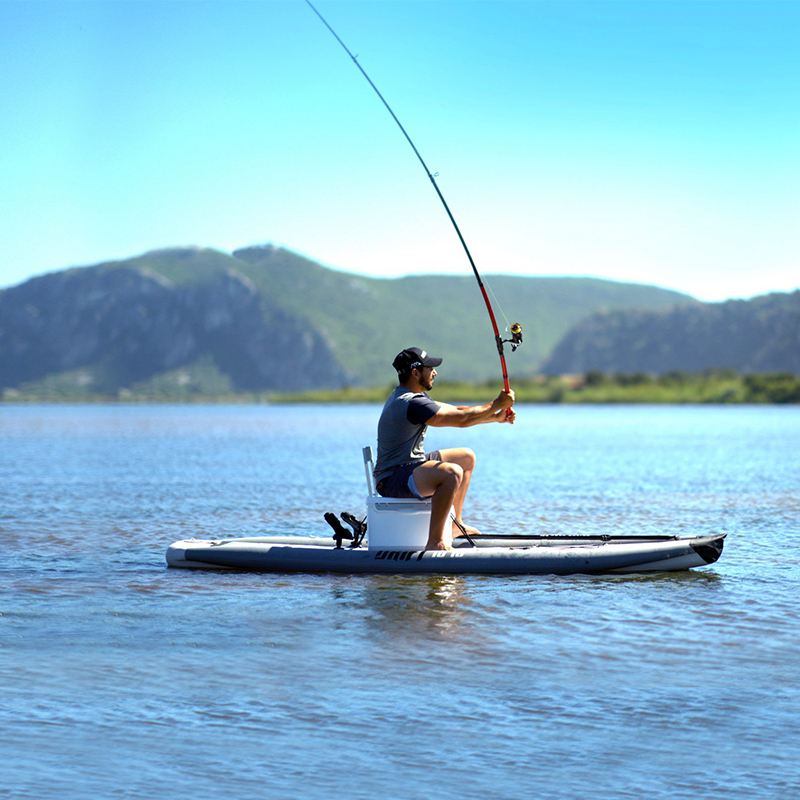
421,409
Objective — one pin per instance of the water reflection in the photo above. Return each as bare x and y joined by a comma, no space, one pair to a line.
428,605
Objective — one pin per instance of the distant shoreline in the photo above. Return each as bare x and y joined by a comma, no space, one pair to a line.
713,387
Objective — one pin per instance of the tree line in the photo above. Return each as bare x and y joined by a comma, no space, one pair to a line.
711,386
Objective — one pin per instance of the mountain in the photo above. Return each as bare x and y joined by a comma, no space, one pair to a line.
115,325
750,336
368,320
264,318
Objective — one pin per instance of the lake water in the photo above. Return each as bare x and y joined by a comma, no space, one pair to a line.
120,678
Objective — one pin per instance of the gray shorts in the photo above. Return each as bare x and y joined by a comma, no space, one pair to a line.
401,482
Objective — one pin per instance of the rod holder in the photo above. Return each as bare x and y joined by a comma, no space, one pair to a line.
368,467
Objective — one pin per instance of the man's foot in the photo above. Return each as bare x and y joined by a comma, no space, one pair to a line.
457,531
438,546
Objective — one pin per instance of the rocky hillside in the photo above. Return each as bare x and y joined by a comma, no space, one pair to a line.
114,327
266,319
750,336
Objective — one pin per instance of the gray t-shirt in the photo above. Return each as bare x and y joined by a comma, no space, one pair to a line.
401,430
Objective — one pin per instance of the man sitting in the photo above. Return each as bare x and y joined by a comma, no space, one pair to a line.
403,469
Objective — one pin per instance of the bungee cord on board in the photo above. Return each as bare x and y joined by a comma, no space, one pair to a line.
515,329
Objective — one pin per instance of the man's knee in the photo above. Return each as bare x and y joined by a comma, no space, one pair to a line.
463,456
468,459
434,476
453,475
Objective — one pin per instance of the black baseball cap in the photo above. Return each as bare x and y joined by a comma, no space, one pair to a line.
413,357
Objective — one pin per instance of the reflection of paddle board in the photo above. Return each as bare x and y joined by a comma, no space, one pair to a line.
487,554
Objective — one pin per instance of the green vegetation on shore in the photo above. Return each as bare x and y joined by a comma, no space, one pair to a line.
712,386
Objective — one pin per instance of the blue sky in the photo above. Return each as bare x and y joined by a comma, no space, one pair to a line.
644,141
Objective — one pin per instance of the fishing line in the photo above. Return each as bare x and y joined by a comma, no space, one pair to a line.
515,329
497,303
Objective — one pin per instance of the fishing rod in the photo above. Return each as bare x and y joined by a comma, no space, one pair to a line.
516,329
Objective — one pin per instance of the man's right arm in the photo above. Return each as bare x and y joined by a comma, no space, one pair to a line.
465,416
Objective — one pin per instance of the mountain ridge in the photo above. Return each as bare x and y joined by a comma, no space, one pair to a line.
263,318
759,335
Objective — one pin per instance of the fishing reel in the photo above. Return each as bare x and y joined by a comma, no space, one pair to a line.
516,336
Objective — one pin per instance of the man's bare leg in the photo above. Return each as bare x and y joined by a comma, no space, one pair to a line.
465,458
441,482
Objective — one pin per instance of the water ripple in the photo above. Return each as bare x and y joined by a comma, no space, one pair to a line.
122,678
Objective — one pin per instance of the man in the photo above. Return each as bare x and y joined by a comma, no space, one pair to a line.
403,468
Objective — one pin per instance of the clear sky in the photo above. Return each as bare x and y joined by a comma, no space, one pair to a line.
656,142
